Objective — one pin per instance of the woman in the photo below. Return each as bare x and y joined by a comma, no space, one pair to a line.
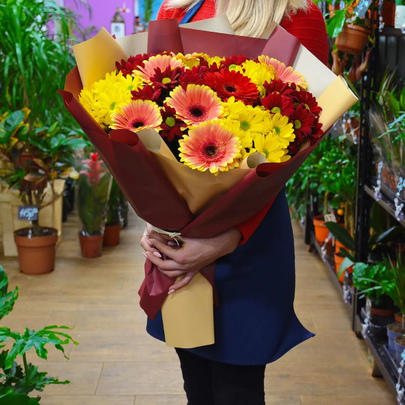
255,323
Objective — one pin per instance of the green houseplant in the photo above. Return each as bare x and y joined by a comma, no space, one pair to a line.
385,230
19,380
93,192
37,136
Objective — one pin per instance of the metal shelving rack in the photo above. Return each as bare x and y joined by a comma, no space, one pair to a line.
389,46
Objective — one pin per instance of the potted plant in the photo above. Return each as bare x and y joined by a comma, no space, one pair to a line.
19,379
93,192
384,230
115,219
36,132
345,26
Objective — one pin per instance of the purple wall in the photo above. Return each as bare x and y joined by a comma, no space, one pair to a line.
104,10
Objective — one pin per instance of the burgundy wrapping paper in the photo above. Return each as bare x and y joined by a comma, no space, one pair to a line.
145,184
282,46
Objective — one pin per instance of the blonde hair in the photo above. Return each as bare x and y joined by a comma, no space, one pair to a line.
250,17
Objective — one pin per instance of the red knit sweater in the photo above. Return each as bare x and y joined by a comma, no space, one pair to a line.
308,27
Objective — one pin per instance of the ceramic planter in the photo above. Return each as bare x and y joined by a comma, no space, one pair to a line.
399,345
399,16
394,330
36,254
352,39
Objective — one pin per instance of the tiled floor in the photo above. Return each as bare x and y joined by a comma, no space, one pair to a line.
117,363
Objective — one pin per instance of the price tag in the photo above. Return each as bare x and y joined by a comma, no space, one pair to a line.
28,212
362,7
330,218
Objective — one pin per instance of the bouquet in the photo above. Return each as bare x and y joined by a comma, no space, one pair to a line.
212,112
240,126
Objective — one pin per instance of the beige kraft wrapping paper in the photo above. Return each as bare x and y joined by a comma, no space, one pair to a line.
188,313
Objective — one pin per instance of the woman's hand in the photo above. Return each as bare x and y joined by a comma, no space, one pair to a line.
190,256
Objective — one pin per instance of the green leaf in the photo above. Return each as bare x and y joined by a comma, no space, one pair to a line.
341,234
18,399
335,23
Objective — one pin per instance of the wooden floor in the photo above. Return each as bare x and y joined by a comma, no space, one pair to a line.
117,363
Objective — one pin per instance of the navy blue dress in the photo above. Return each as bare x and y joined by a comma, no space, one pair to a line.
255,323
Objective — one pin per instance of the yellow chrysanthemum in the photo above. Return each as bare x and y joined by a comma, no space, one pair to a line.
105,96
271,148
259,73
214,59
278,125
191,60
250,119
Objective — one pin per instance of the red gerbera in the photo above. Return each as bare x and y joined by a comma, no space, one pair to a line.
128,66
148,92
233,60
278,86
193,76
303,121
308,100
278,103
229,83
166,80
171,126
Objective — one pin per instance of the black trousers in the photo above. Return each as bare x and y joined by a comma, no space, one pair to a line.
209,382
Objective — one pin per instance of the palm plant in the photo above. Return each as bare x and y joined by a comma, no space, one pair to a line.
148,9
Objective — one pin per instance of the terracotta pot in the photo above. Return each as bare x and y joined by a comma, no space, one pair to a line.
91,246
398,317
338,245
321,231
36,255
388,13
338,261
111,235
352,39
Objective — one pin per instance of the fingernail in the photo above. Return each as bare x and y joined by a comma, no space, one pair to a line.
148,242
171,292
144,254
157,254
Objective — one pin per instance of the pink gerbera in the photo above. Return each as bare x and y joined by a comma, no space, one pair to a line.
161,62
137,115
284,73
195,104
210,146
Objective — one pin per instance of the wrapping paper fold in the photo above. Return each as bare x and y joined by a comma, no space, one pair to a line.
147,176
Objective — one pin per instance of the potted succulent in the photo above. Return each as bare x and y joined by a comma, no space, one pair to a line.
93,192
36,137
19,378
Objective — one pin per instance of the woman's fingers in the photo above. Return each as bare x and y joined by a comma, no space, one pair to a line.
182,283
